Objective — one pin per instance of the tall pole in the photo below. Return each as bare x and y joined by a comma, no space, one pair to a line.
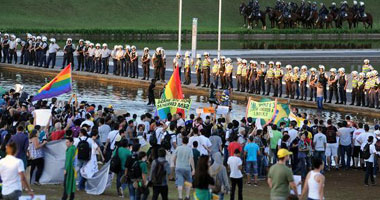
180,26
219,27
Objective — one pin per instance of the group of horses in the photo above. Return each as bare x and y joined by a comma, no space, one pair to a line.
303,17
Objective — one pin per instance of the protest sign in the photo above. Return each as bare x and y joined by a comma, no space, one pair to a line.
174,103
222,110
298,182
36,197
262,110
42,116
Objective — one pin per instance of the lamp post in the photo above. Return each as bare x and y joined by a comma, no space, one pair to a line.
180,26
219,27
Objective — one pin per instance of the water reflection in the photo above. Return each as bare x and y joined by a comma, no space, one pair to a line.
134,99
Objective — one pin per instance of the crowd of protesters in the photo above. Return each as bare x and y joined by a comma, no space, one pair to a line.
206,157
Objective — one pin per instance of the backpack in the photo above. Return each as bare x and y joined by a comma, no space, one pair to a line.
218,185
133,166
115,165
167,141
366,153
153,139
377,145
159,173
84,150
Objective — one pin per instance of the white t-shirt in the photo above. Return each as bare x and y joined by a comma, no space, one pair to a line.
180,123
234,163
103,132
89,140
293,134
319,141
372,151
355,136
87,122
10,167
203,142
363,138
191,141
159,135
112,137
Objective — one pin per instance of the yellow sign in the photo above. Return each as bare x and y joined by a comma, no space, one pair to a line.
262,110
176,103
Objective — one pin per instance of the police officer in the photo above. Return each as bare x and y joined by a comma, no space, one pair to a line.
5,47
288,80
322,78
377,89
12,49
333,86
253,76
323,12
134,63
85,52
313,79
156,62
244,73
91,54
238,74
343,81
98,58
362,10
261,73
215,72
366,67
163,68
354,86
38,50
222,69
26,48
119,56
361,90
373,90
228,73
126,64
198,69
53,49
68,51
105,55
277,81
189,62
269,77
206,63
23,51
303,82
295,83
80,55
32,51
44,48
333,8
177,62
145,62
355,8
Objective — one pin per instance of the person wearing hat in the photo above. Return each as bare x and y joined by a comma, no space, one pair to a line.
322,78
80,55
214,72
313,80
228,74
145,62
134,63
261,79
53,49
222,69
22,50
342,81
253,77
156,62
280,177
85,53
97,58
238,74
105,55
12,49
126,67
206,63
37,49
333,85
177,62
197,67
269,77
360,100
25,50
288,83
68,51
5,47
373,90
44,48
295,83
91,53
366,67
354,86
32,53
244,72
163,65
303,82
277,81
189,62
118,70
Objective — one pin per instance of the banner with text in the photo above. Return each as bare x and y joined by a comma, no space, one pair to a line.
176,103
262,110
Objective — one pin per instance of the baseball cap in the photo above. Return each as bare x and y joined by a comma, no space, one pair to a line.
283,152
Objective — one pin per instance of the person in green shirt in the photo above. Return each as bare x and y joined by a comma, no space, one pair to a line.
280,177
274,138
70,173
123,153
143,191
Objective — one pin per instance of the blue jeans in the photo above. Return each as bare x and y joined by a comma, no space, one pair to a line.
221,196
81,180
302,166
131,190
320,103
321,155
118,184
225,154
345,150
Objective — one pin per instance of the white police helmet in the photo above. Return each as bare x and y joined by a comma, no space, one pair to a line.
244,61
238,59
69,39
81,40
262,63
18,40
146,49
366,61
304,67
222,57
341,69
313,69
105,45
44,38
206,54
361,74
38,37
255,62
321,67
6,35
187,54
369,74
333,3
97,45
278,63
87,42
355,2
271,63
288,66
215,60
52,40
199,55
361,3
13,36
228,60
354,73
374,72
28,35
158,49
127,47
333,70
178,54
133,47
296,68
91,44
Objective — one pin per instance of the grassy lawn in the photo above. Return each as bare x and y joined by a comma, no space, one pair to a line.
348,185
147,16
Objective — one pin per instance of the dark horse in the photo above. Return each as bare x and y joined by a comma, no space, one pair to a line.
349,17
274,16
254,18
367,20
244,10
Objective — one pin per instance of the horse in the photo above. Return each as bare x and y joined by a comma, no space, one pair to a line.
367,21
335,16
326,20
243,10
262,18
291,22
273,15
349,17
312,19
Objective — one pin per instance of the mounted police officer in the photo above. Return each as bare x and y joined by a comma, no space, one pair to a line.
68,51
286,12
343,9
80,55
256,9
323,12
362,10
355,8
314,8
334,8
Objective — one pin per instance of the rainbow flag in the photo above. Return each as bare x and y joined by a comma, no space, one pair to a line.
173,90
59,85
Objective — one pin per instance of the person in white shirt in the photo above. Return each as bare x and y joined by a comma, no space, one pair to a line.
13,174
91,53
119,57
369,147
356,151
98,57
12,49
105,55
103,130
315,181
88,121
363,137
180,121
235,164
293,133
204,144
319,143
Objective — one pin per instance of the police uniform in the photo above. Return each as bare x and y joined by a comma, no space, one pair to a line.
313,79
177,62
38,53
323,80
5,45
53,49
269,79
119,56
145,61
26,49
303,85
215,72
163,66
68,56
295,87
105,55
238,76
360,92
373,95
32,51
23,51
261,80
206,63
222,69
354,86
86,56
244,73
278,73
157,59
126,67
228,75
333,88
187,69
252,79
288,83
43,54
134,63
12,50
80,56
342,88
198,70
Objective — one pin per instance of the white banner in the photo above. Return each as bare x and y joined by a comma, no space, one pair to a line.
42,116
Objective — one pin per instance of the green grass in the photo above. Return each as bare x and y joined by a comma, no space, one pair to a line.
139,16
